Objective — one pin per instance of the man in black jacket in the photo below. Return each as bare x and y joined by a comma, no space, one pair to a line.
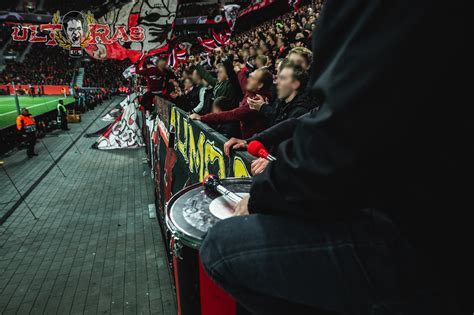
292,101
365,210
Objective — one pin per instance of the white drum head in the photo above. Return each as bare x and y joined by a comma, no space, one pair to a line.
222,207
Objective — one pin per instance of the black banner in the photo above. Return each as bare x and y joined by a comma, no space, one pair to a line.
184,152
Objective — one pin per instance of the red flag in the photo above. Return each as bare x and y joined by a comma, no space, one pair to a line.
294,3
182,55
221,39
208,43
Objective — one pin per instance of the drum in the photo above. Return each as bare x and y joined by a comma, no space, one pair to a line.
190,213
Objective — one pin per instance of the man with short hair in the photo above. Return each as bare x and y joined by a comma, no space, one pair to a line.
301,56
222,85
251,121
291,102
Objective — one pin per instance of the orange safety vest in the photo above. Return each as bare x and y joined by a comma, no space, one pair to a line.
23,121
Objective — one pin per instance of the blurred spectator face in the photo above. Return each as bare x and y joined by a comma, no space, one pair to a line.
254,83
221,74
260,61
280,42
161,64
215,108
298,60
245,55
286,85
25,111
188,84
196,78
293,27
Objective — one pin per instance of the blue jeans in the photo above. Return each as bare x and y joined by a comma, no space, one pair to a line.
280,265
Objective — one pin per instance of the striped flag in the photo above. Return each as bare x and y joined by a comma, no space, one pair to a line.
182,55
208,43
221,39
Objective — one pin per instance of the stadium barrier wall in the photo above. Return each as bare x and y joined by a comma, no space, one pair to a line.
183,152
48,89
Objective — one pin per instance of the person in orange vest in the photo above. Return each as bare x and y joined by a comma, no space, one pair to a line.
26,125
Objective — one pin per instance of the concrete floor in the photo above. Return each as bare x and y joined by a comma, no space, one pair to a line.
94,248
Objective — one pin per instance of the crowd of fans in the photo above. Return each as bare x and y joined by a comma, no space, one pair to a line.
45,65
256,82
42,65
105,73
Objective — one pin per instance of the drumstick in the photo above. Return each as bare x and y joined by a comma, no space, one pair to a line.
213,183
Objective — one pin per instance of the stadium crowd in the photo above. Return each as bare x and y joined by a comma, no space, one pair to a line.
255,82
105,73
42,65
52,65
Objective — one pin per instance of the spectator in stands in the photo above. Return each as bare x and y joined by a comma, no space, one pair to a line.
292,101
251,121
201,89
261,61
222,86
227,129
188,97
282,49
301,56
156,78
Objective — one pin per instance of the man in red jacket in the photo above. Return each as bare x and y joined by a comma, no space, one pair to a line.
156,77
251,122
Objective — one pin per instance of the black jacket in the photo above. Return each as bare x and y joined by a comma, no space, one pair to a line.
279,111
394,131
188,101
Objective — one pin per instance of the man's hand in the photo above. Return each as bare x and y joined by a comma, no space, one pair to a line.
234,143
242,207
195,116
258,166
237,67
256,103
